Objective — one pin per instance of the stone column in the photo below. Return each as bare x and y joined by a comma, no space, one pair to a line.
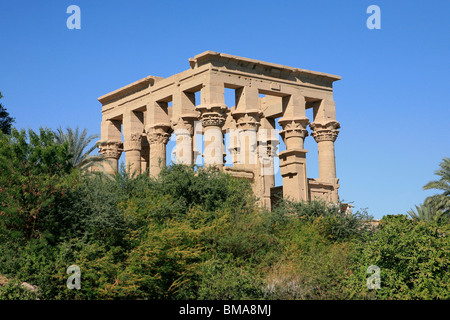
267,151
212,123
325,135
234,142
184,130
247,116
133,128
145,155
247,124
293,159
158,135
213,115
132,148
111,145
111,151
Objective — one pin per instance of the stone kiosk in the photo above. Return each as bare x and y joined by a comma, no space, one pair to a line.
153,108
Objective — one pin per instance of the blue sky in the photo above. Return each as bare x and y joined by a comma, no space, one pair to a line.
392,101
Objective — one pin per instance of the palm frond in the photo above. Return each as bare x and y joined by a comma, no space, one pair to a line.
77,143
422,212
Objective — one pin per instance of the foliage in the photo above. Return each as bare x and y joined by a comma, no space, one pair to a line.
194,233
413,256
425,212
15,291
311,264
334,223
440,202
34,174
6,120
229,279
77,142
436,208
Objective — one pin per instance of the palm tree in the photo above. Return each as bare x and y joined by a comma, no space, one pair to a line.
77,143
440,202
423,212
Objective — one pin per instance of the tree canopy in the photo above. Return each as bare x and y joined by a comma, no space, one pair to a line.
6,120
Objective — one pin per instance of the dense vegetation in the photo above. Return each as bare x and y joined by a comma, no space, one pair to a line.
6,120
194,233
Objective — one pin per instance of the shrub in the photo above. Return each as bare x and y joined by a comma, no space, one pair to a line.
228,279
413,257
335,224
310,264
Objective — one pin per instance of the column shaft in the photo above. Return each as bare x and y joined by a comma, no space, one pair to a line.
213,153
184,131
327,165
157,137
293,160
111,151
213,116
325,135
132,148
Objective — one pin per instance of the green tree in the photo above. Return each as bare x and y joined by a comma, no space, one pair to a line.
440,202
77,143
5,120
423,212
33,176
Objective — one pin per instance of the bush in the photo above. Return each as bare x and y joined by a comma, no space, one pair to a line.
335,224
15,291
228,279
195,233
310,264
413,257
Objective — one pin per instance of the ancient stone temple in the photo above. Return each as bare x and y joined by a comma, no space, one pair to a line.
191,106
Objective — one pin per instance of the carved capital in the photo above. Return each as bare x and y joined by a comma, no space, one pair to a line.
294,127
158,138
159,133
111,149
247,120
213,119
183,127
325,131
134,142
